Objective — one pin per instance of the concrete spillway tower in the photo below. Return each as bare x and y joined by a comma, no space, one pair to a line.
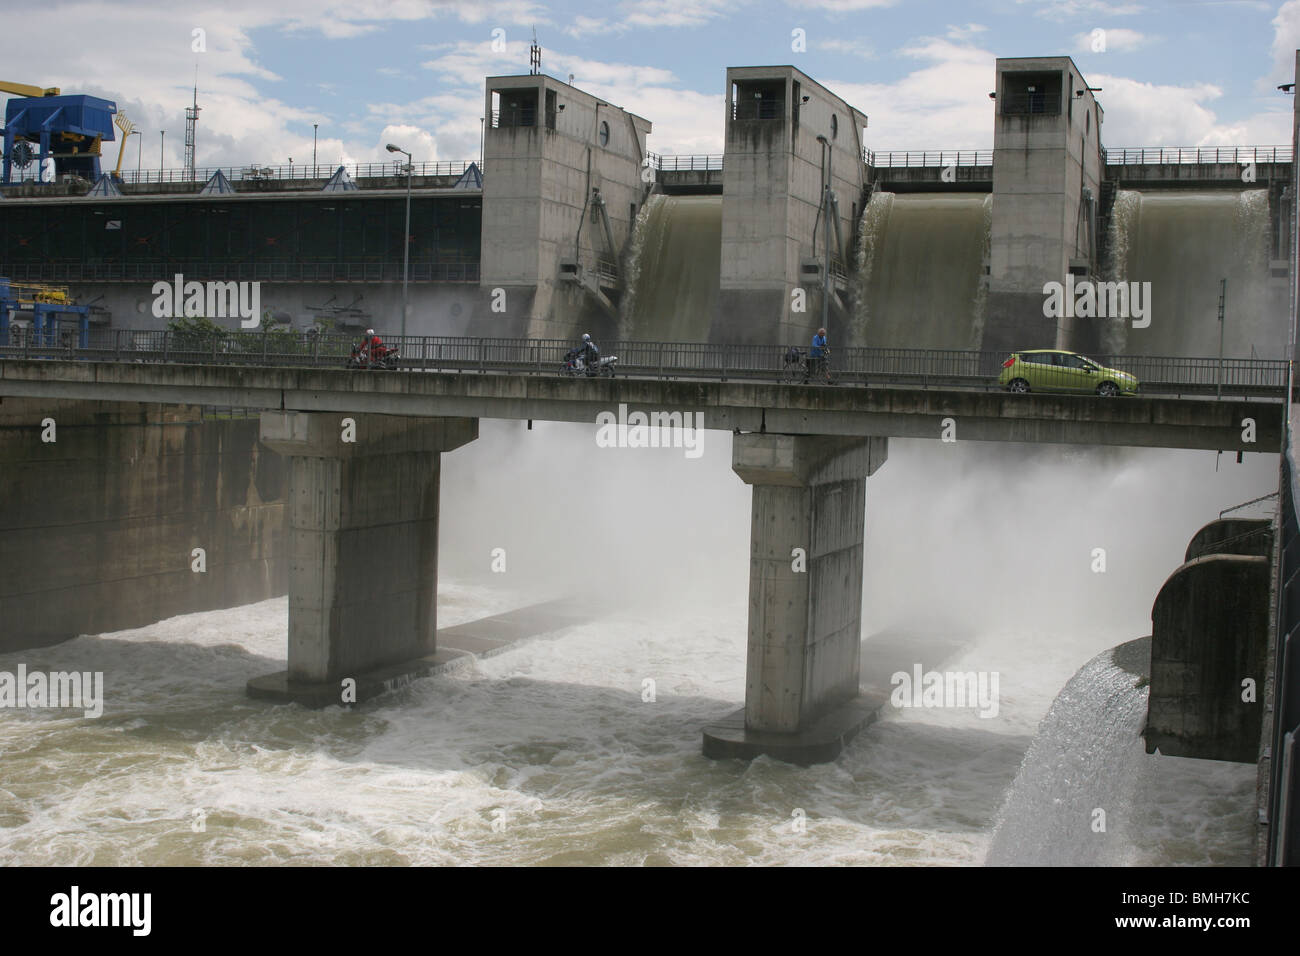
1047,172
561,188
785,135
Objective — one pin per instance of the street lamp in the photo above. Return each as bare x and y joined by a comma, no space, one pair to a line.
826,211
162,142
139,151
313,149
406,236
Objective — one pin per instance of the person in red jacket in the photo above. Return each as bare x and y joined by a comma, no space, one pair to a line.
372,347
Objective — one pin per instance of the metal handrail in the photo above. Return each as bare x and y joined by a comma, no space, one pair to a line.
455,270
256,172
927,368
932,157
676,163
1167,155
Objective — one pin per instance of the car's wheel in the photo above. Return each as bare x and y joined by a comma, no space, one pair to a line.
1107,389
1018,385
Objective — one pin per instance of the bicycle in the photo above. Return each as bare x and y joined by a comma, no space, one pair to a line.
798,368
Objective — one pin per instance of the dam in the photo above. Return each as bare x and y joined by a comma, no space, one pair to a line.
572,224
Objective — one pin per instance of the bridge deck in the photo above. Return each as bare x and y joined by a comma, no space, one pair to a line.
750,406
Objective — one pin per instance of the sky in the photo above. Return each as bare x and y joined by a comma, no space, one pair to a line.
411,72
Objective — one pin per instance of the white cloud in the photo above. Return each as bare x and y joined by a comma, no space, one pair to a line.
943,104
591,26
964,34
1115,39
674,13
840,6
1286,40
1075,9
1150,114
685,121
859,48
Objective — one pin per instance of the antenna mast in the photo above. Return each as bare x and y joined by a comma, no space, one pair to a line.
535,56
191,121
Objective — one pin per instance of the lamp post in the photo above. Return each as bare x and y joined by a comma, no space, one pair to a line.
162,142
826,212
313,149
406,236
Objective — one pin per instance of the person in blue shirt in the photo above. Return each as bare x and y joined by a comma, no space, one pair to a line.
817,355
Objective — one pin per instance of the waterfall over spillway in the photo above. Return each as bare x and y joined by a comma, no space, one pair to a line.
1087,756
673,268
1184,242
920,265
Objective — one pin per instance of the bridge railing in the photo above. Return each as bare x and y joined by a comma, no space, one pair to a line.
256,172
675,163
921,368
932,157
226,271
1161,155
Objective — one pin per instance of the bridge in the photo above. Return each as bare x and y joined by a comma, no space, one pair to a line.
364,451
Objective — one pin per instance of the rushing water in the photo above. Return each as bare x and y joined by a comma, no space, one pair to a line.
552,740
1183,242
1089,794
674,263
920,268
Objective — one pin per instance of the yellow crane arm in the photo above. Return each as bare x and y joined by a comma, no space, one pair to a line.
23,89
127,128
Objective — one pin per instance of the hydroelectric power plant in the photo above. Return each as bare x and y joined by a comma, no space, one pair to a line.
434,572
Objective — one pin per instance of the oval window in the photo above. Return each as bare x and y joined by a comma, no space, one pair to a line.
835,126
604,133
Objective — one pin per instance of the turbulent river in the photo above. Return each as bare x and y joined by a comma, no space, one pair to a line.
550,753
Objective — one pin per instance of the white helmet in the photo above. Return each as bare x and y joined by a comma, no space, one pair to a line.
586,336
370,331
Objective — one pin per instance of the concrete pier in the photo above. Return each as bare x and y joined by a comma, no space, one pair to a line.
558,207
1047,173
805,596
362,516
786,135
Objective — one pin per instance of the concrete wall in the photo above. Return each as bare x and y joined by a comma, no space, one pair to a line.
1232,536
1209,634
535,195
772,191
97,527
1042,161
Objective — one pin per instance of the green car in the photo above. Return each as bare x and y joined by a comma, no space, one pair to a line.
1055,370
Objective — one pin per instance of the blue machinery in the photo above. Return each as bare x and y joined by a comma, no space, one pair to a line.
53,318
69,129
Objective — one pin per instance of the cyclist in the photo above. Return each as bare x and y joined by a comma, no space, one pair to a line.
817,356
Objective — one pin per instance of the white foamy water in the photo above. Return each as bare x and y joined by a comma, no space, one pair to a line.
551,740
